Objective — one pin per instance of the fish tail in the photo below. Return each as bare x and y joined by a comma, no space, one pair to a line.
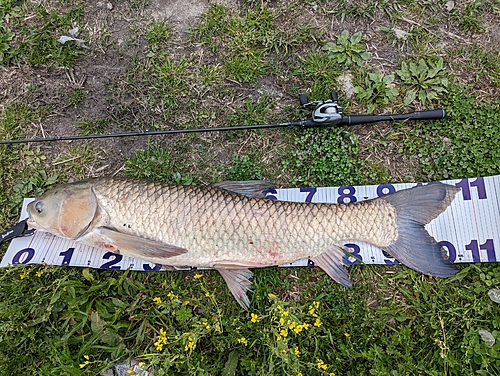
414,246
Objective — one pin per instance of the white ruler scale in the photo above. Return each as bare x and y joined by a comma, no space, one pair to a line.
469,229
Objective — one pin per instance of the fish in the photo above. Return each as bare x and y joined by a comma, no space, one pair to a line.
233,227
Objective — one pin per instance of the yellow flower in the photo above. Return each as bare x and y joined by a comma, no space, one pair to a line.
254,317
198,276
284,313
24,275
316,305
157,300
282,321
318,323
284,332
243,340
171,295
206,324
331,374
306,326
299,374
162,339
191,345
298,328
311,311
292,325
86,361
129,371
207,294
39,274
296,351
321,364
347,335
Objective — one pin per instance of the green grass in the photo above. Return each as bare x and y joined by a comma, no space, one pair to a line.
399,325
325,158
465,143
97,126
246,66
29,33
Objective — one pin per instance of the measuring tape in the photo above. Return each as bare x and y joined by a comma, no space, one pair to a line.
469,229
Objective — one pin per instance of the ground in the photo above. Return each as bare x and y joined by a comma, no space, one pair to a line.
154,65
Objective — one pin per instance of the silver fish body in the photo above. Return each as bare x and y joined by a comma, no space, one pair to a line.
220,227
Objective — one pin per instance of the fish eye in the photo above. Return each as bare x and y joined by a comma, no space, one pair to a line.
39,207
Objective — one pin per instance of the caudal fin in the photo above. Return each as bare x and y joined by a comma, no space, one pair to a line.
414,247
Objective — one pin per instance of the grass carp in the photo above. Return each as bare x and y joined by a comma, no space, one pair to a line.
231,226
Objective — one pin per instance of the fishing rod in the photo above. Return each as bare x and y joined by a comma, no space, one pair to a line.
325,113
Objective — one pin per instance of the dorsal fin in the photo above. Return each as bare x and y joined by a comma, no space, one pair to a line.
248,188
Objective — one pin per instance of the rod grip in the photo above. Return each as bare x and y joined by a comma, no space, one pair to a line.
430,115
419,115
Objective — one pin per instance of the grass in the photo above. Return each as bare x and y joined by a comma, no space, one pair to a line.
30,32
243,66
450,149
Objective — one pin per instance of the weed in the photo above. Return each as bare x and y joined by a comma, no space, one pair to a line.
246,68
97,126
37,183
168,80
253,112
427,80
464,144
469,18
159,164
348,50
7,52
8,9
74,96
483,65
320,75
38,44
379,89
325,157
158,33
246,167
363,8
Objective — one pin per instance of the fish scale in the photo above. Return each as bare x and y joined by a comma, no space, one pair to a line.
229,227
220,227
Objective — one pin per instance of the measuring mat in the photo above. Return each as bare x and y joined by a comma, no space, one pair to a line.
469,229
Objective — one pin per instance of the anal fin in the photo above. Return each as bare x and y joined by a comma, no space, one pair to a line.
238,281
331,262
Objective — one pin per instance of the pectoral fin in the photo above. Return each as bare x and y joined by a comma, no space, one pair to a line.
331,262
238,281
138,247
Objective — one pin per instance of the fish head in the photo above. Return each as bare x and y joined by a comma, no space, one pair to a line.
66,210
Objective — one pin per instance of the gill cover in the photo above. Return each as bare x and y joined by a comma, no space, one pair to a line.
66,210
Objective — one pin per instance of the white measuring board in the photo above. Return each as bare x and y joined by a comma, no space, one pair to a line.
469,229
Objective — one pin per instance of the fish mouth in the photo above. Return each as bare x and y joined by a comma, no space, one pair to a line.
31,222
